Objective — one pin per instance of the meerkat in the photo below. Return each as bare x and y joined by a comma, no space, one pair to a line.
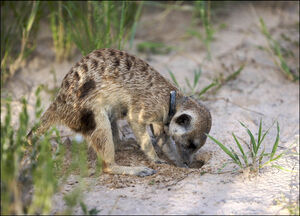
109,84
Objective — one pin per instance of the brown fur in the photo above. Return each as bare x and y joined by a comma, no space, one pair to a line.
107,85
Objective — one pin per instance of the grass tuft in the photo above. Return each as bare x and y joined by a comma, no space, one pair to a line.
276,52
94,25
37,167
256,158
154,47
19,23
214,86
61,36
202,13
22,165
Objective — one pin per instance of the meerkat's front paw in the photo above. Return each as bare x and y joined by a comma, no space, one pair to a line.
157,160
160,161
146,172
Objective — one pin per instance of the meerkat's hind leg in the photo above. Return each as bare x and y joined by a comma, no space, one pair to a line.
102,142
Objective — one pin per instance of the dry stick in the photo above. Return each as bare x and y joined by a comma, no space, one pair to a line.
115,205
229,171
239,46
198,170
227,100
256,86
179,180
269,48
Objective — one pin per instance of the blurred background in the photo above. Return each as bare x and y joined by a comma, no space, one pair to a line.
61,31
240,54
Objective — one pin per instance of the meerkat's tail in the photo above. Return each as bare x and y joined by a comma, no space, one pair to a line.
47,120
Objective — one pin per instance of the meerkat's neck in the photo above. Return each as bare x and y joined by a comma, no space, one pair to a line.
175,100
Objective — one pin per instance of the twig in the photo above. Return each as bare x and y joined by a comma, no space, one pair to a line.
229,171
179,180
115,205
227,100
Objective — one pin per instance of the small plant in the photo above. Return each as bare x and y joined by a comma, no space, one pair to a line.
94,25
38,166
153,47
291,205
152,182
202,12
19,162
276,52
192,88
19,21
221,80
216,84
255,158
197,74
60,32
93,211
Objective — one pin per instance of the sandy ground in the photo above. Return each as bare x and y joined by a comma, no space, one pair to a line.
260,91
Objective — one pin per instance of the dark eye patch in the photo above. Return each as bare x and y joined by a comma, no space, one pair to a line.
191,145
183,120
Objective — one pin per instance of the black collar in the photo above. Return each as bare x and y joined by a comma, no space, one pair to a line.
172,107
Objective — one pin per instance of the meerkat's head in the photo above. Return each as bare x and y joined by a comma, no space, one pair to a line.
188,127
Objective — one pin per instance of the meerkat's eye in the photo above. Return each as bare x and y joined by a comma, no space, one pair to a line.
184,120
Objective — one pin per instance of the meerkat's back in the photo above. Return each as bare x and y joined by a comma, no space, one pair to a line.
116,78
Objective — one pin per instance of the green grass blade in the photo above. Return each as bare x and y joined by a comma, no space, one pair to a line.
236,156
205,89
197,74
282,168
261,156
32,16
225,149
276,142
173,77
241,149
263,137
188,83
195,33
223,166
259,132
253,142
264,28
281,154
121,32
235,74
277,157
276,50
137,16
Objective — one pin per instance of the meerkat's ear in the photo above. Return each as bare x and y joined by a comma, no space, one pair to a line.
184,120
